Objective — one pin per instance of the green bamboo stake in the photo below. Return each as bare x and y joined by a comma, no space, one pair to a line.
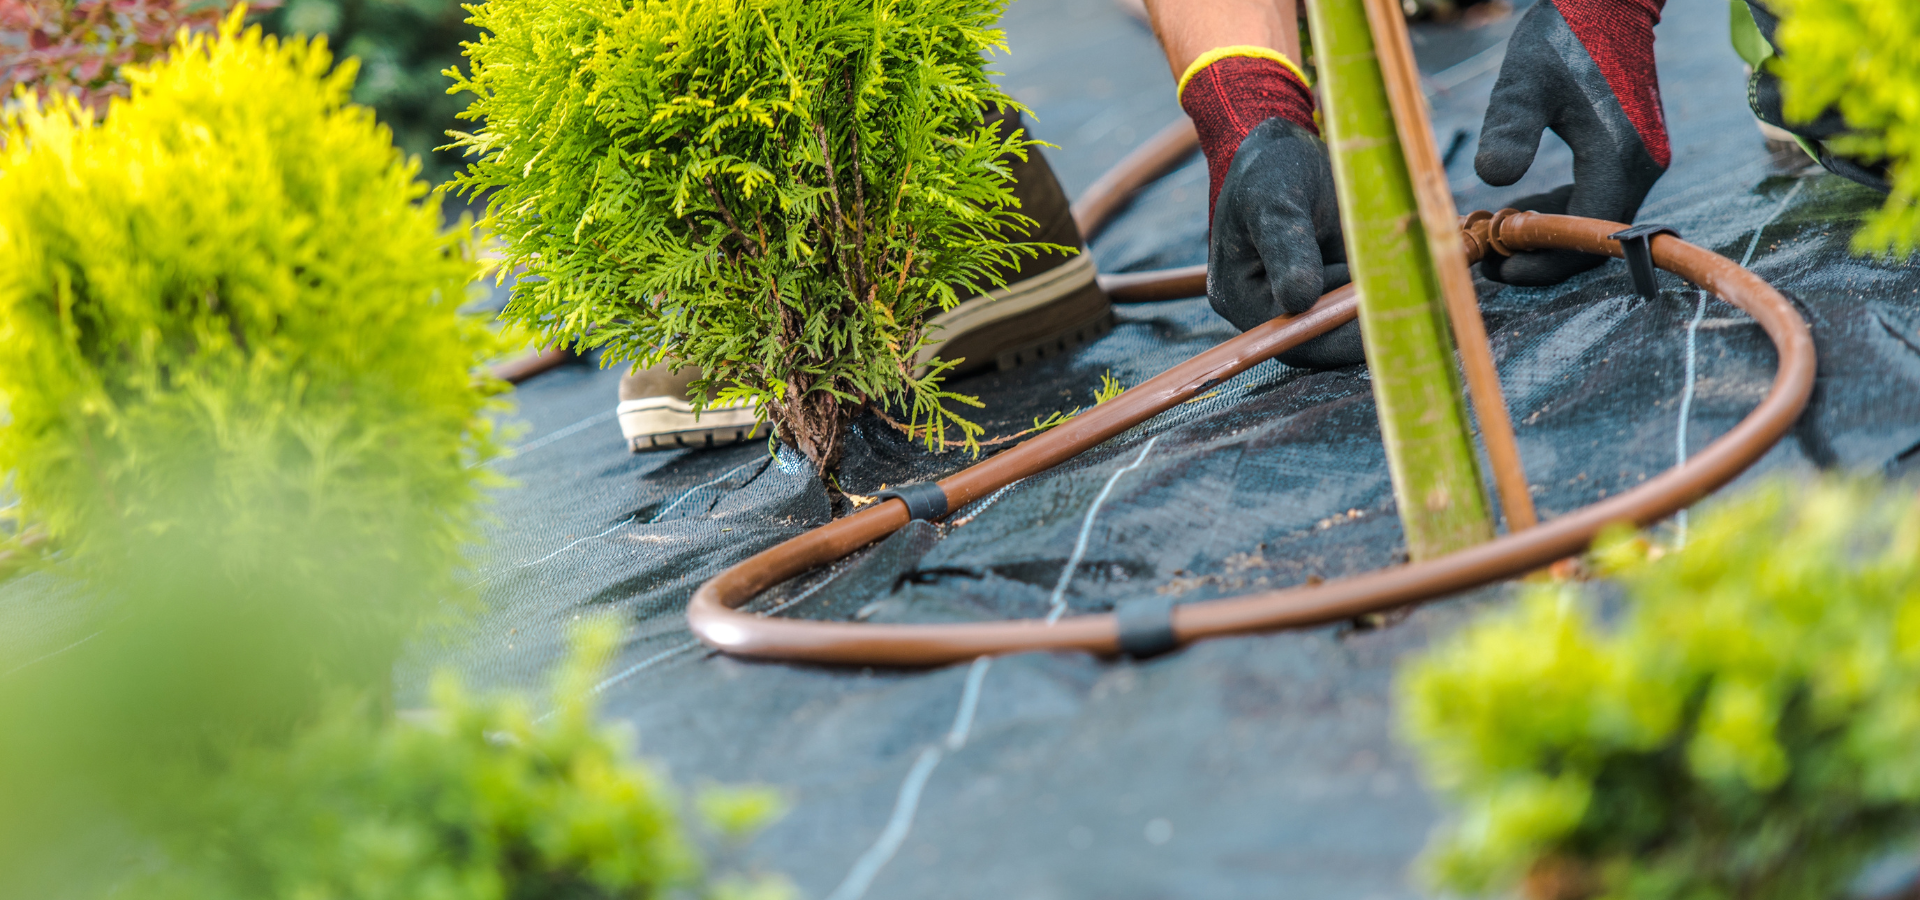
1423,420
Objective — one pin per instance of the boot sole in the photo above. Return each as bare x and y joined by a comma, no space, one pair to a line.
1048,315
663,423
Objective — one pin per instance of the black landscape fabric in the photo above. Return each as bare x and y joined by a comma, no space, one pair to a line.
1254,767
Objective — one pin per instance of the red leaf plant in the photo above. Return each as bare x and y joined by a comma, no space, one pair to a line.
78,46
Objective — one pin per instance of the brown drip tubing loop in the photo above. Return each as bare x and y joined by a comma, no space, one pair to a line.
714,618
1106,197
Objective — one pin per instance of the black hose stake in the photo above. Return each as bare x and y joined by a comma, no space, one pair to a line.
1636,244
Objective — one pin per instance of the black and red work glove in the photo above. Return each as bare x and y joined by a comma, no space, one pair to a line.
1583,68
1275,245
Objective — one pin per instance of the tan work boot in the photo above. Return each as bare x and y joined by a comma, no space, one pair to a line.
1050,306
655,415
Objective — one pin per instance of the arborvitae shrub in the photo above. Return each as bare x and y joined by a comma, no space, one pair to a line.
1864,56
780,192
1745,728
229,346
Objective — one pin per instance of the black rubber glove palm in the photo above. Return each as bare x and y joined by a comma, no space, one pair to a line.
1573,81
1276,240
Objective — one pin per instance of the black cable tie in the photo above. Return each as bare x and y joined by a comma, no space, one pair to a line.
1636,244
924,500
1146,626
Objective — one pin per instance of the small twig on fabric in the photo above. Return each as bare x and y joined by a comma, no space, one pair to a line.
913,433
1110,388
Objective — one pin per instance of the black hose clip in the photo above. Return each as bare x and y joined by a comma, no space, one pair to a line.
1146,626
1636,244
924,499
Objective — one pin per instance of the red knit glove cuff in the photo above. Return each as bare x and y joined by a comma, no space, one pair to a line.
1228,97
1618,34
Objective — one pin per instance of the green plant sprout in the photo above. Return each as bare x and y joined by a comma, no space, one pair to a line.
1744,728
1860,55
1110,387
780,192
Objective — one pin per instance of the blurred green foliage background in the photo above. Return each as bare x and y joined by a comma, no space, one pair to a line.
237,390
403,46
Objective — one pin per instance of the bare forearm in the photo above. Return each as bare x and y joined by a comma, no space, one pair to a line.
1188,28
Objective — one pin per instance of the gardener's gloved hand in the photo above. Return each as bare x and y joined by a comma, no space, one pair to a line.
1275,245
1583,68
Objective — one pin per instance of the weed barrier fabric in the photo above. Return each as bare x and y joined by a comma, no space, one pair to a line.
1260,766
1246,767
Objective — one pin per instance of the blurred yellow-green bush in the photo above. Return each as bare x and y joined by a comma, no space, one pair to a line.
1743,726
238,393
475,800
228,296
239,397
1862,56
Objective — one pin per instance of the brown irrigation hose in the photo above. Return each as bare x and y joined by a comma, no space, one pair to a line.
715,619
1150,287
1162,153
521,368
1172,145
1105,198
